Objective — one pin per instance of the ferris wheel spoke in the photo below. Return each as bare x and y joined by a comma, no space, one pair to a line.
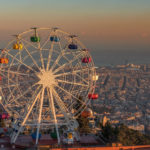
74,72
51,100
49,56
71,73
70,94
68,73
29,43
14,137
41,58
64,65
40,113
32,99
11,94
82,45
76,92
66,52
73,83
57,60
5,75
31,57
45,42
60,56
62,32
82,79
35,94
14,72
14,101
11,65
20,56
16,84
21,62
3,97
25,92
61,105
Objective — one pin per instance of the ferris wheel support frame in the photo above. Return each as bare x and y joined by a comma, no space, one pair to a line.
54,114
40,112
15,135
52,77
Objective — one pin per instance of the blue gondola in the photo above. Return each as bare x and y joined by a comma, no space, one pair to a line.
33,135
54,135
72,46
54,39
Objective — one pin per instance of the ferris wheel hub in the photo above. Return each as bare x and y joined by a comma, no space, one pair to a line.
47,79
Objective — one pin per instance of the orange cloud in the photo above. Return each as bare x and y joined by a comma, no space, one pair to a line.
145,35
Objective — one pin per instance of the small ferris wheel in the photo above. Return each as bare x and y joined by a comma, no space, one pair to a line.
45,72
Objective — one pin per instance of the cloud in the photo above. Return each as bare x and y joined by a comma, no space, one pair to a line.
83,33
145,35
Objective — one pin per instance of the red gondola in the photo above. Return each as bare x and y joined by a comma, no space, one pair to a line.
4,116
86,60
87,113
7,116
5,129
93,96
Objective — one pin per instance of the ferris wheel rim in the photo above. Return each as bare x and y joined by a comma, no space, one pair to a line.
53,67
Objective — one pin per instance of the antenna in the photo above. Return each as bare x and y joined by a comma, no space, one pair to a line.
55,28
34,28
72,36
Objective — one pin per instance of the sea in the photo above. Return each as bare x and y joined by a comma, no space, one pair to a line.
113,58
103,56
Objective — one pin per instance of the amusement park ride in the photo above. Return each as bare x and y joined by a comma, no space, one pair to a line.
44,71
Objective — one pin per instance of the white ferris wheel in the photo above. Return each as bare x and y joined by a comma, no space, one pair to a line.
45,72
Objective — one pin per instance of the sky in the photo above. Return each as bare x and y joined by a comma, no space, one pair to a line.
109,28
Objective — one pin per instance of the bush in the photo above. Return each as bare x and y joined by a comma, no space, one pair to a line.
124,135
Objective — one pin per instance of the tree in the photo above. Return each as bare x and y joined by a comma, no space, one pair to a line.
84,124
83,121
124,135
131,137
109,132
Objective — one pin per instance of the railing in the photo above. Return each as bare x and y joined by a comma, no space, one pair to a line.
89,147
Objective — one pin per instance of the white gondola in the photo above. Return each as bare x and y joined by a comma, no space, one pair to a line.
95,78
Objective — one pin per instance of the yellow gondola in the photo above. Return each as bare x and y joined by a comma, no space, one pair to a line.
18,46
95,78
70,136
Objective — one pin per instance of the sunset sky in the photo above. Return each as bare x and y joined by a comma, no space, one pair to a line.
102,25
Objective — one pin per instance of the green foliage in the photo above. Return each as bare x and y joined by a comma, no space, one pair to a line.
83,124
131,137
124,135
109,132
2,123
54,134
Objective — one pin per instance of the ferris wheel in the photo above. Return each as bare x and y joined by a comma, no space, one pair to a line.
48,77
